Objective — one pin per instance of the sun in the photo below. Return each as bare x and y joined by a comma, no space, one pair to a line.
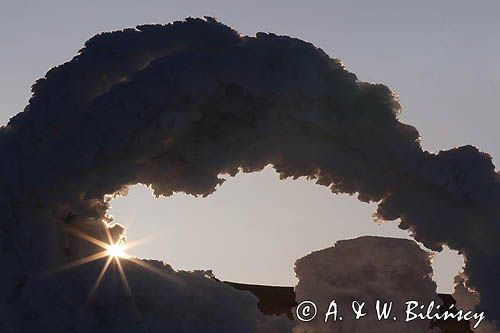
117,250
114,252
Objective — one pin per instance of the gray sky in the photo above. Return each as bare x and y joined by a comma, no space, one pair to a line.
443,59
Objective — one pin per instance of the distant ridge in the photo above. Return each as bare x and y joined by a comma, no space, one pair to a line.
281,300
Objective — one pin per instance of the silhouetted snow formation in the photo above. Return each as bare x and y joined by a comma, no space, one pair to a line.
174,106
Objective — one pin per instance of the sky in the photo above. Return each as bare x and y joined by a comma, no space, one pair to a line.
441,58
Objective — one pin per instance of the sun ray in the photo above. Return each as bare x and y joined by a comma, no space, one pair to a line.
123,277
79,262
99,279
114,251
134,243
153,269
106,229
88,238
